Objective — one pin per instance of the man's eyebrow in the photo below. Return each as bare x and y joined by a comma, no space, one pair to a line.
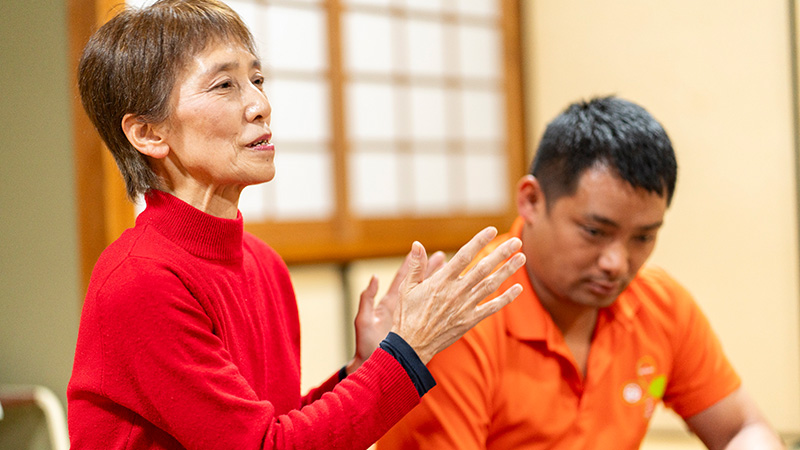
601,220
652,226
610,223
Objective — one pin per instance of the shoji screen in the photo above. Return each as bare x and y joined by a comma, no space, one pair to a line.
393,120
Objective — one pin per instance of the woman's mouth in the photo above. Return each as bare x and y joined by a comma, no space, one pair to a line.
259,143
262,143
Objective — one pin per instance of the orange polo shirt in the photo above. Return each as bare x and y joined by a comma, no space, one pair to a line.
512,383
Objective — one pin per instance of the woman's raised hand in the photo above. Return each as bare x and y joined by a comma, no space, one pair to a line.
433,312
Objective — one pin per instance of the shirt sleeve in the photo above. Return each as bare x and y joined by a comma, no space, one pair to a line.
161,361
702,374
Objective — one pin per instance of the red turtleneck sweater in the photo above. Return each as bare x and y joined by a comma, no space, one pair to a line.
189,338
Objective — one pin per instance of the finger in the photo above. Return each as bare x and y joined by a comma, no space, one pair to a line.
492,306
435,262
366,303
467,252
416,268
488,263
490,284
398,277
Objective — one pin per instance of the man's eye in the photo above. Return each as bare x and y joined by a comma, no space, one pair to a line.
645,238
224,85
594,232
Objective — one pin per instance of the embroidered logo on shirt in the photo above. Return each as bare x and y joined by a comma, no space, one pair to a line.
632,393
647,388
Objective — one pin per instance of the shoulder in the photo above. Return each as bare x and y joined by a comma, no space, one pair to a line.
657,301
653,287
130,268
663,305
133,254
143,268
265,261
261,250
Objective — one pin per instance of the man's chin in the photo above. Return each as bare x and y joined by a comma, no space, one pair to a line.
594,301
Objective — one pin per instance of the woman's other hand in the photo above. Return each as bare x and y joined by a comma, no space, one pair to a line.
374,320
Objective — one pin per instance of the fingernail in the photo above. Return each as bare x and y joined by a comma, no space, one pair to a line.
416,250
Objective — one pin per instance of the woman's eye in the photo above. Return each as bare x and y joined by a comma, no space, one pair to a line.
224,85
259,81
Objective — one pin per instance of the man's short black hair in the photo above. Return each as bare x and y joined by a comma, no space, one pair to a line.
610,132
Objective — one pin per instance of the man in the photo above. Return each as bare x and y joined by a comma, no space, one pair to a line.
581,359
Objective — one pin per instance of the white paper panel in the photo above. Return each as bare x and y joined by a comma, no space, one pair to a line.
254,202
369,2
296,39
485,179
253,16
428,113
482,113
425,5
300,110
372,111
430,183
309,2
479,52
139,3
478,8
425,39
304,185
367,43
374,184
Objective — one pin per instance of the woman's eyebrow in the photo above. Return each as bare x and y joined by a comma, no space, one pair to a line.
225,66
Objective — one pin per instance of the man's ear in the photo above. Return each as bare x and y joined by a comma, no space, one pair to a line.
146,137
530,198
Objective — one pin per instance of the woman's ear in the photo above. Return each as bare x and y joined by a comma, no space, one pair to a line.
146,137
530,198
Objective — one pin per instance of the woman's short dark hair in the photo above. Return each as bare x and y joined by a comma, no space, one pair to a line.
607,131
130,65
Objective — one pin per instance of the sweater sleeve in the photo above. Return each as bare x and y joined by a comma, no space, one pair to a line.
316,393
149,360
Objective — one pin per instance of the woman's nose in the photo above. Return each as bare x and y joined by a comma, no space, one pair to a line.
258,106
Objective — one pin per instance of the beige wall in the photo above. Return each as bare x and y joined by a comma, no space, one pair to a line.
718,76
39,300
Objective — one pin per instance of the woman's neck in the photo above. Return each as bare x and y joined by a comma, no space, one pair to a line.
222,202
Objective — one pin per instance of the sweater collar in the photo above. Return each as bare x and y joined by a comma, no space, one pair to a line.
197,232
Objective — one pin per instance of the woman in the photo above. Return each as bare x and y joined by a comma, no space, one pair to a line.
189,337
